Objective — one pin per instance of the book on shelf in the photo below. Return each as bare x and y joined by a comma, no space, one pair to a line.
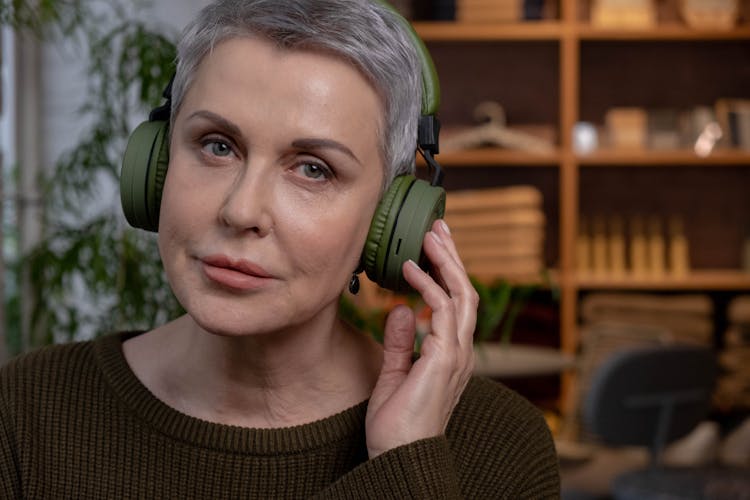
629,14
688,318
471,200
626,127
733,388
733,117
489,11
499,232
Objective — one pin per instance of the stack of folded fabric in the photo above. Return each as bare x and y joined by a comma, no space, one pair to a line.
499,232
688,317
613,322
489,11
733,391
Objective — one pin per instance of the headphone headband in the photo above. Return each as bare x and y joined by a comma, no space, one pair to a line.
430,80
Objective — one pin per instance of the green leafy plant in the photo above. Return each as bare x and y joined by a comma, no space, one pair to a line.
37,16
91,273
371,321
500,303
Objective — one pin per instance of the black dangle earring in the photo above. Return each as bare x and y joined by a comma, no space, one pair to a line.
354,284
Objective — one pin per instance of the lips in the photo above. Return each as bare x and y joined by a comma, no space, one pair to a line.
235,274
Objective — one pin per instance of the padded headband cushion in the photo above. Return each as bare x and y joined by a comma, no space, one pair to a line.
430,80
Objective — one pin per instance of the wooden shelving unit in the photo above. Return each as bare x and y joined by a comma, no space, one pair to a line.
663,158
705,279
665,32
450,31
572,41
496,157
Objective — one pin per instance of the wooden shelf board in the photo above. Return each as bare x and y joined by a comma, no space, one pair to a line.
436,31
706,279
663,158
666,32
442,31
550,281
495,157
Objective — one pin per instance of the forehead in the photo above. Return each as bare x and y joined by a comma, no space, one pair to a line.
305,90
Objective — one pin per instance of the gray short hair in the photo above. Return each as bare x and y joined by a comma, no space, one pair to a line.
363,32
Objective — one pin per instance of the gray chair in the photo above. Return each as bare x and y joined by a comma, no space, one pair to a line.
651,396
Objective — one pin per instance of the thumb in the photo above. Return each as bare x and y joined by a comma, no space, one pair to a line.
398,342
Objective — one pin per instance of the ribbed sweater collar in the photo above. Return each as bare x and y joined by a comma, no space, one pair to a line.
166,420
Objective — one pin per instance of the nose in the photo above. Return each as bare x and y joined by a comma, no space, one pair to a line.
247,205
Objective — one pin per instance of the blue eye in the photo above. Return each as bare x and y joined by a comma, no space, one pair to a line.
218,148
313,171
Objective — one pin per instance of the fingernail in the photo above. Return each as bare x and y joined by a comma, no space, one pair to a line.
412,264
445,227
436,237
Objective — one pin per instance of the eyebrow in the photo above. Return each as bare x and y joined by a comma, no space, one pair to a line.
222,122
309,143
314,143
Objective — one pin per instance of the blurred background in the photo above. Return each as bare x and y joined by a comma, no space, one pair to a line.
597,157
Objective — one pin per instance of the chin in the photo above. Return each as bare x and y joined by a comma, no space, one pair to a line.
227,322
229,318
261,313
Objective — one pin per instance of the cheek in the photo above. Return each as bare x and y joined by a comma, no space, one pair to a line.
332,241
181,213
186,200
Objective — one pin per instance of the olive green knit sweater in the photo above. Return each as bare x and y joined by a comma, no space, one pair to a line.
76,423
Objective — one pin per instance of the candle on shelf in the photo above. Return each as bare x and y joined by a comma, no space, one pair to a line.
583,247
679,254
638,254
599,247
656,247
616,246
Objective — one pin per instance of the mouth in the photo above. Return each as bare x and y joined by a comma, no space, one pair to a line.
235,274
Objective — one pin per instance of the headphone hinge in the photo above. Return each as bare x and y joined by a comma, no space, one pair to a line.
162,113
436,171
428,132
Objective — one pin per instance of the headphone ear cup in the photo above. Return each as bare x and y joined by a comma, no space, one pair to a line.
381,226
144,168
403,217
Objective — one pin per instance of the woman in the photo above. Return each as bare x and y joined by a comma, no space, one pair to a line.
288,121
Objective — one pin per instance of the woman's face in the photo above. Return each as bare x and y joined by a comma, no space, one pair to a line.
273,179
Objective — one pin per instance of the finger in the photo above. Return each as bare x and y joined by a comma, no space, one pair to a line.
453,324
440,227
398,344
451,270
446,262
443,308
456,282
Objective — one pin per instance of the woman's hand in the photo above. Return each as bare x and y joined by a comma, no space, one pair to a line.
412,401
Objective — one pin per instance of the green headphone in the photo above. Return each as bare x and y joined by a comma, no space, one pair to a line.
403,217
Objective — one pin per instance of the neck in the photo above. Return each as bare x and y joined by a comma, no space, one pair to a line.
276,379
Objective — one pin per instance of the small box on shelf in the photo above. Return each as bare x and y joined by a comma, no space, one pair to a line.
733,117
626,128
672,135
630,14
709,14
663,129
489,11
